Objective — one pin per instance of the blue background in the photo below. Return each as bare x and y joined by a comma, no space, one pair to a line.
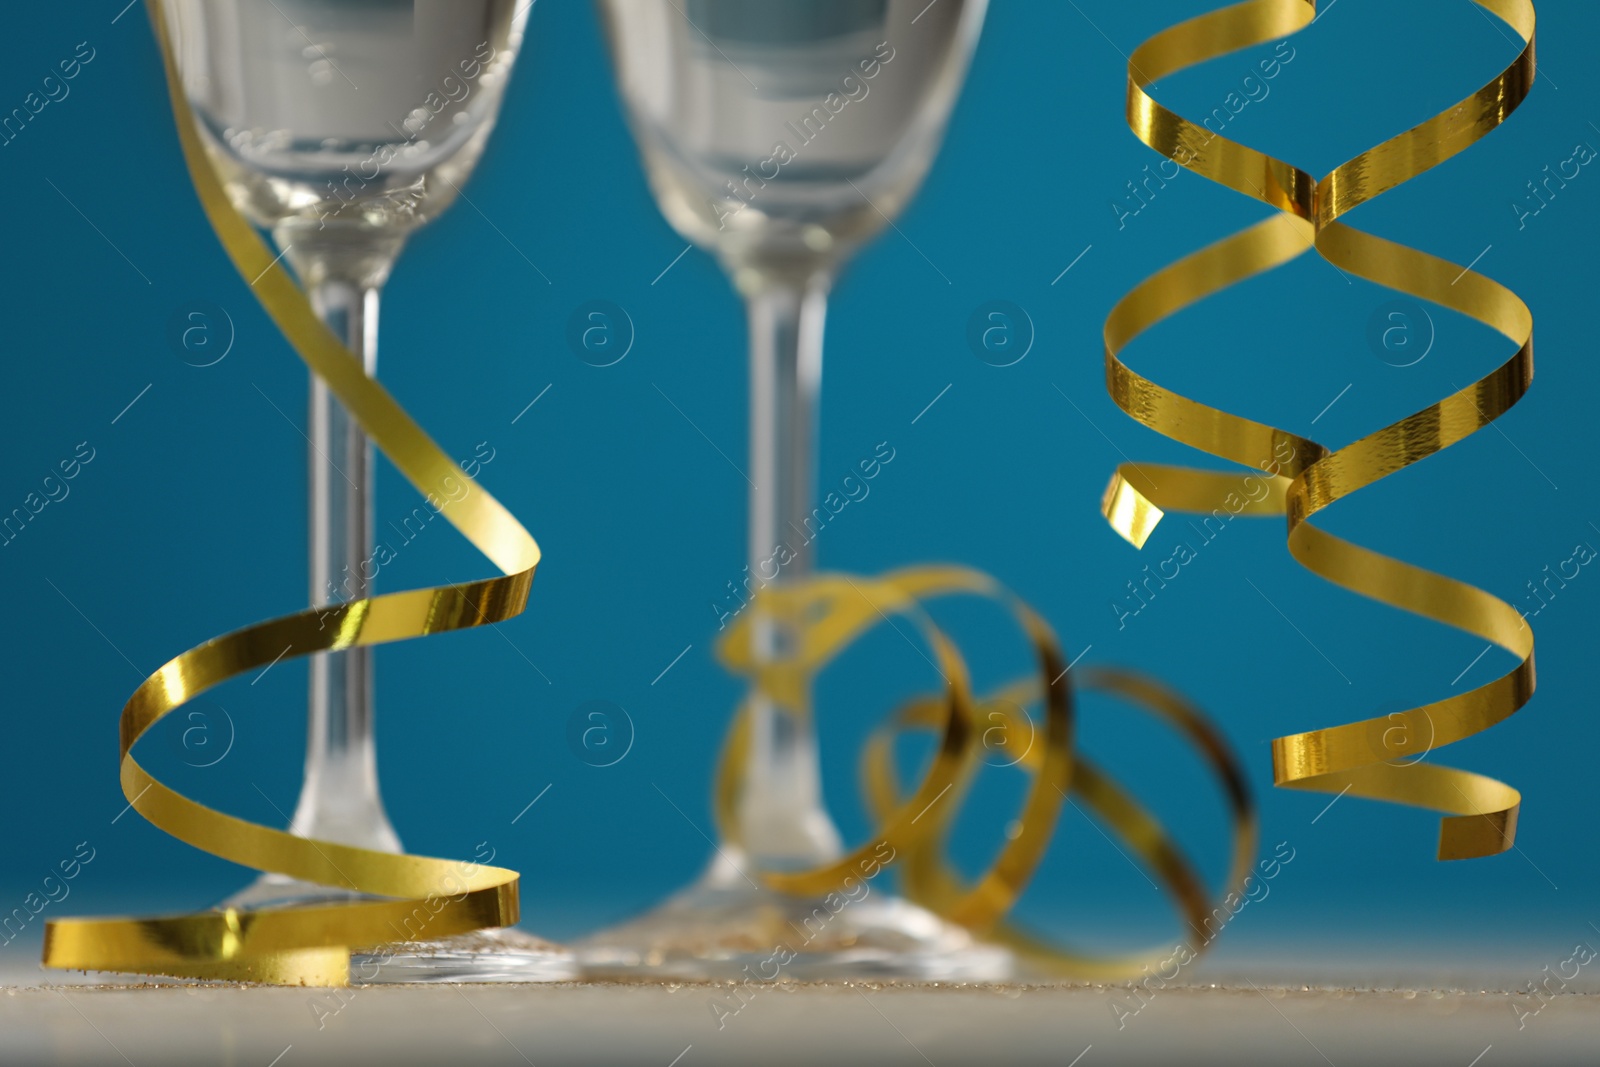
190,519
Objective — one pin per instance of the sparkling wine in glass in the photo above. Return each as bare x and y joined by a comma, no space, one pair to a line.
341,126
780,135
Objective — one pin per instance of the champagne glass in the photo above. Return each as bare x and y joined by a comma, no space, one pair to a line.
341,127
780,135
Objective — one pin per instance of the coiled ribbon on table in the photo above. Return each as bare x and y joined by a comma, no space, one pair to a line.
307,945
834,610
1363,758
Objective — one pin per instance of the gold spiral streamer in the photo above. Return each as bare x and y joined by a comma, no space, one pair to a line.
932,882
841,609
307,945
1301,477
838,609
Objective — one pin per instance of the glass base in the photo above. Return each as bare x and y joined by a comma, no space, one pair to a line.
722,927
502,955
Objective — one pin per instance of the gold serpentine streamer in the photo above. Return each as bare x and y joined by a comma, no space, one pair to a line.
838,609
1303,477
931,881
307,945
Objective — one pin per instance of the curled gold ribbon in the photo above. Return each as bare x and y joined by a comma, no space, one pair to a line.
307,945
843,608
931,881
1302,477
837,610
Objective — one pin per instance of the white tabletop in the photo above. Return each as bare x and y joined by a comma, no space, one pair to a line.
883,1025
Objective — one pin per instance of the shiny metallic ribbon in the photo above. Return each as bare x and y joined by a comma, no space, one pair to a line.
1367,758
308,945
838,609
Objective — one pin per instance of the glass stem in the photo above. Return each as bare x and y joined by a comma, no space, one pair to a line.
339,800
784,823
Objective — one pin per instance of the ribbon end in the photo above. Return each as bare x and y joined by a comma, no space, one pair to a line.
1129,511
1470,837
